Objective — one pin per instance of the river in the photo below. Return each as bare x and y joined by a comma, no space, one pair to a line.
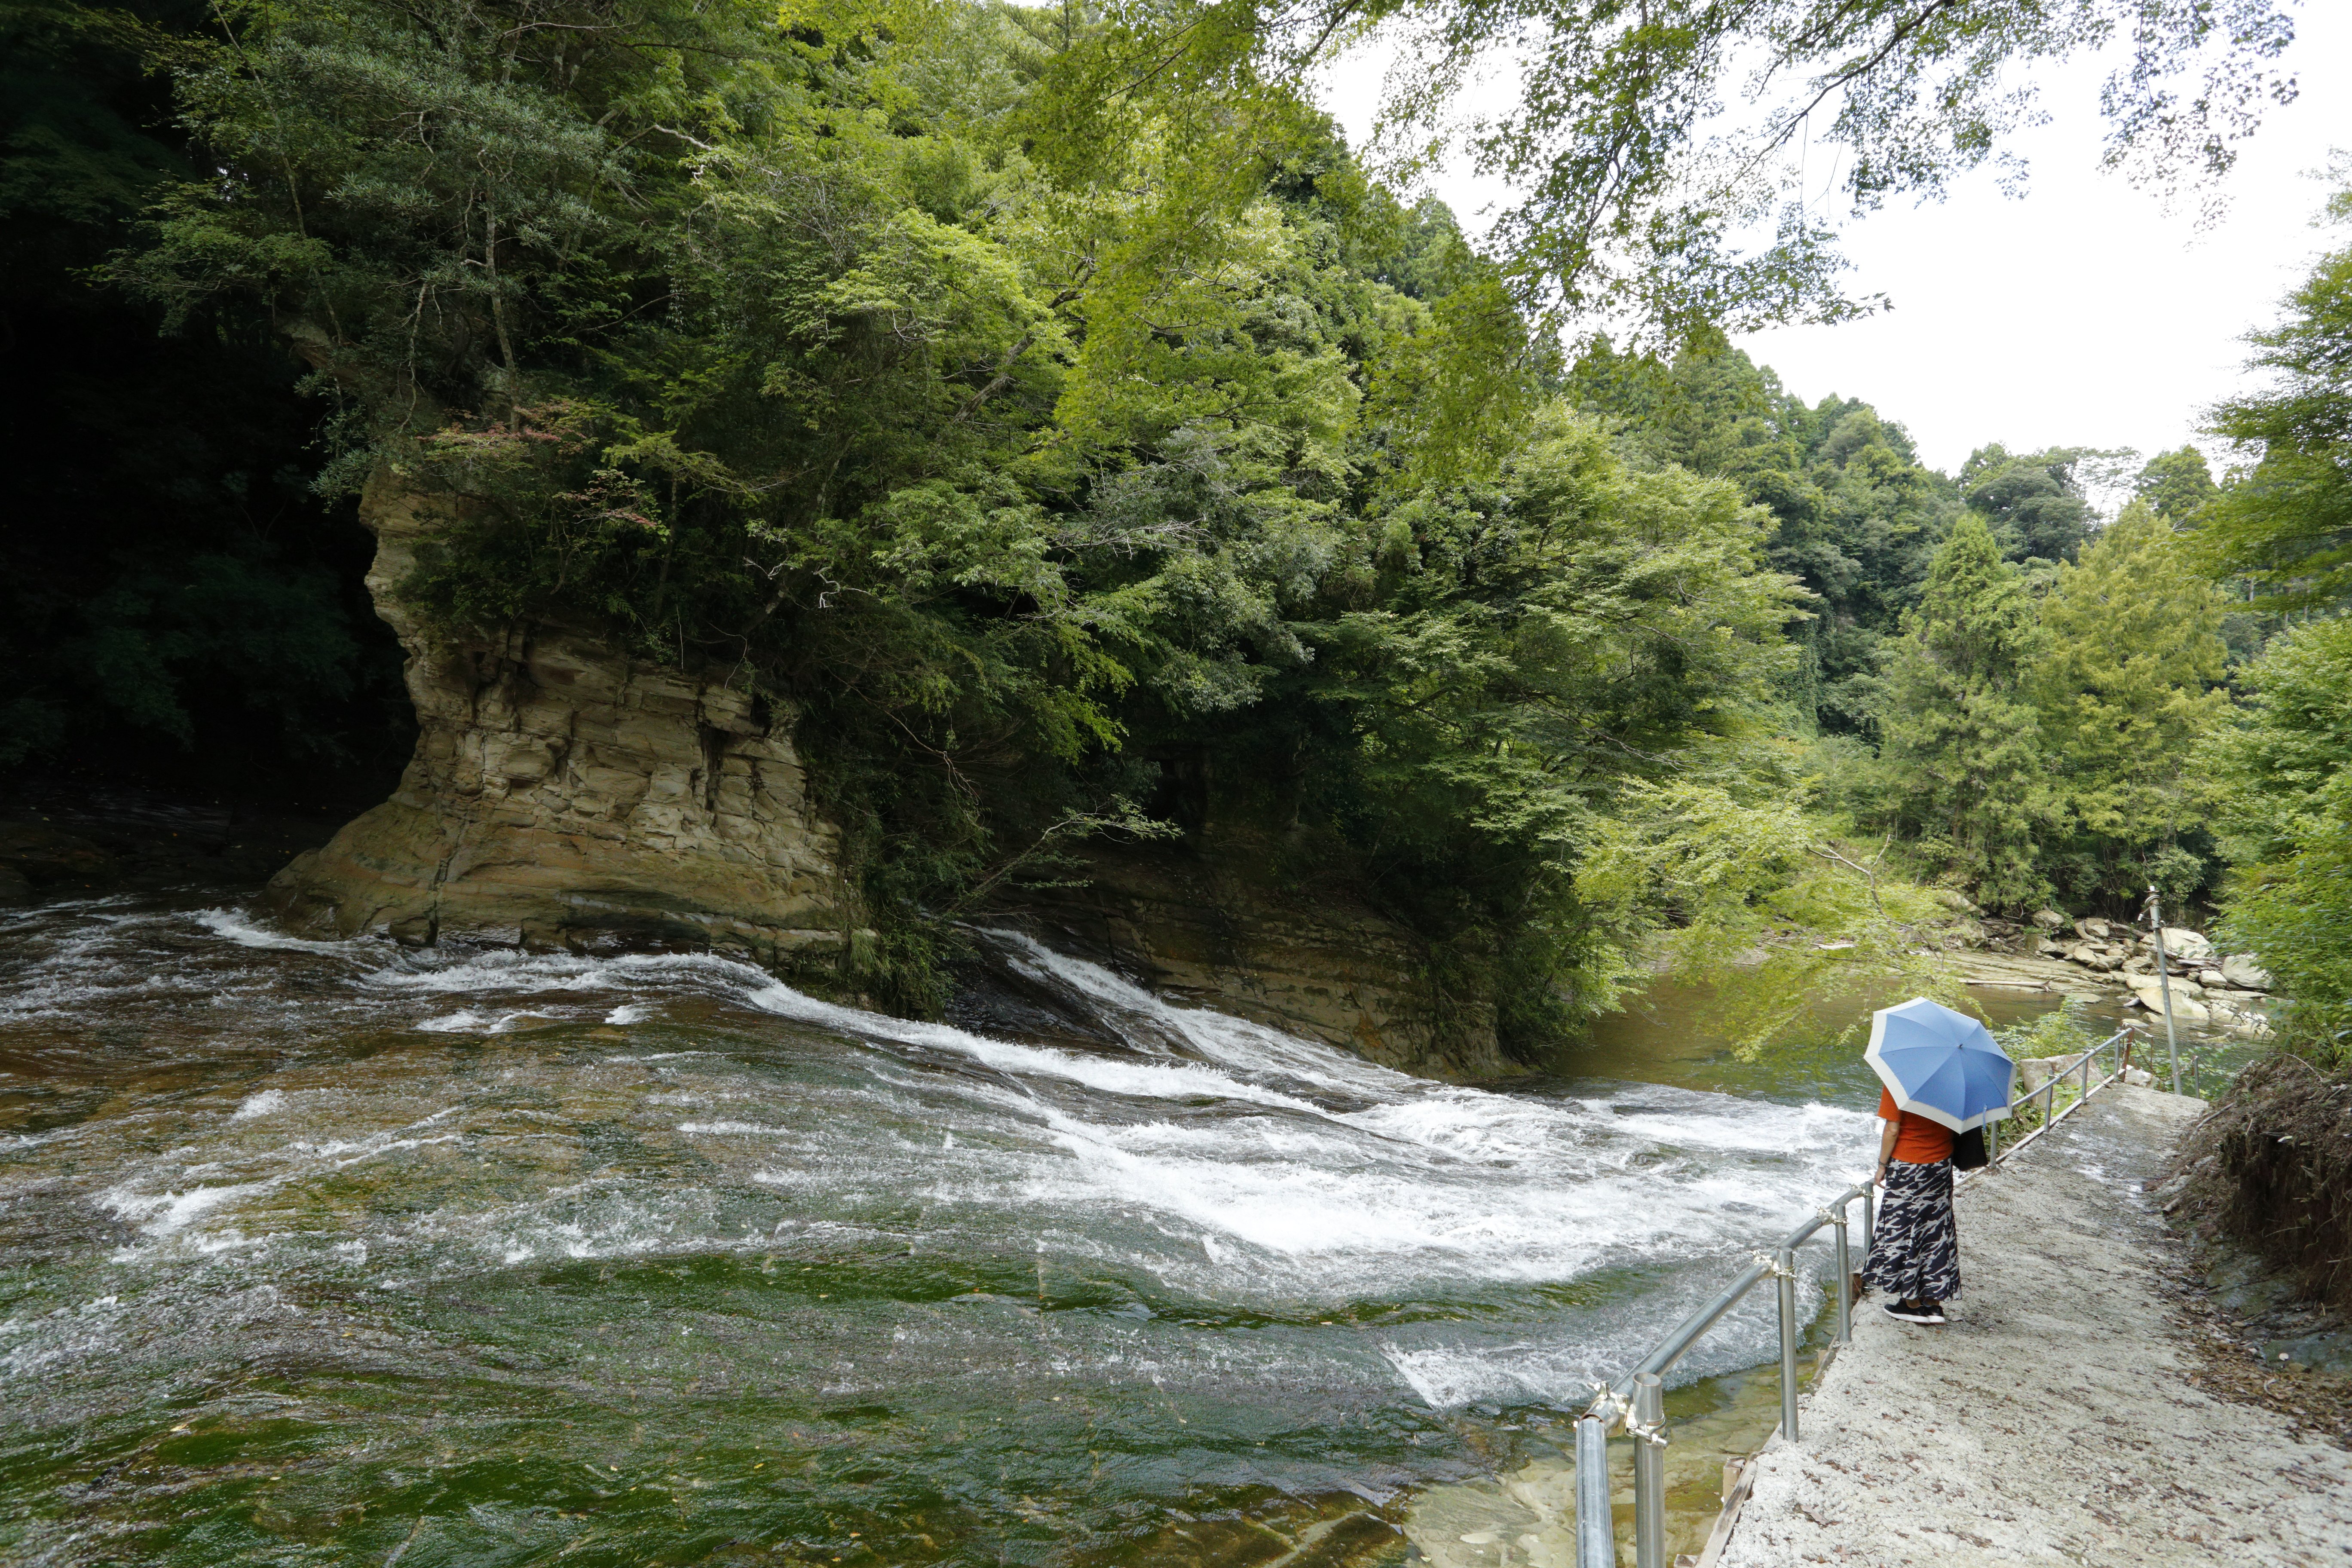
322,1252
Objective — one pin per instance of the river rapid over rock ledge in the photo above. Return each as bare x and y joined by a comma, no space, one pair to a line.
315,1247
566,796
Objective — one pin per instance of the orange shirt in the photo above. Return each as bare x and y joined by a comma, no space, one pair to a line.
1919,1141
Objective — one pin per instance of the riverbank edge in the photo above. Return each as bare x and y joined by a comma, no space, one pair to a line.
2069,1368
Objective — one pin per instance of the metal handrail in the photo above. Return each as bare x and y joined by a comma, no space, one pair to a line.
2051,1117
1637,1399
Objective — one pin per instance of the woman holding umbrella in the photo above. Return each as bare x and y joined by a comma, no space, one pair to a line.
1942,1075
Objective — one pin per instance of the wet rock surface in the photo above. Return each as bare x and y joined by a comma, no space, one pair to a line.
1221,924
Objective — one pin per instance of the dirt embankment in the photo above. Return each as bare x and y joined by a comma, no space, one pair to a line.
2269,1169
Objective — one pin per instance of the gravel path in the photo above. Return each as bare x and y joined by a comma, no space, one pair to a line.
2053,1419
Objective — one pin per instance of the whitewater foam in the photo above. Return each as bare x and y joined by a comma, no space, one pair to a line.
1213,1158
262,1104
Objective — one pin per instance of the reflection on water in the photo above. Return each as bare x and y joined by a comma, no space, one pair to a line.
1672,1034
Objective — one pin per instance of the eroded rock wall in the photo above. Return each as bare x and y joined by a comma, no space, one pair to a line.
563,793
1208,923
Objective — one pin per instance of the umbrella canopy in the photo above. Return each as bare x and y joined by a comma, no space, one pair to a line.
1940,1064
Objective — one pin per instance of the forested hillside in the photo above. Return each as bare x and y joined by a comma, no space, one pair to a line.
1050,447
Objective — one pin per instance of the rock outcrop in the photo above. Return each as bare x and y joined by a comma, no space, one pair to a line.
1212,924
564,795
2206,986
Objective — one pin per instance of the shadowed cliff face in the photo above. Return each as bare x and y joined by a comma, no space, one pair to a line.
1215,923
564,795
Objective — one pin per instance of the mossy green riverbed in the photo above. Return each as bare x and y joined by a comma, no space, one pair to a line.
337,1252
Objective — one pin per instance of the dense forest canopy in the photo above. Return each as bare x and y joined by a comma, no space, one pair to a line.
1037,426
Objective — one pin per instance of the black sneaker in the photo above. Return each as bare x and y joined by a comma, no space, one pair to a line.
1910,1312
1935,1310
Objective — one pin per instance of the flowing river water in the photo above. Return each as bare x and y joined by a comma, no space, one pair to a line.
342,1252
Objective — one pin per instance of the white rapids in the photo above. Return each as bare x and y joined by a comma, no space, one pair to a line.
1515,1245
338,1252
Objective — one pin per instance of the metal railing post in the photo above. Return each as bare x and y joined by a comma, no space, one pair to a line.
2164,984
1596,1530
1845,1282
1649,1473
1785,1266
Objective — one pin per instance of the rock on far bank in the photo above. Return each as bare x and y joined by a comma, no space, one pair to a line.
2208,988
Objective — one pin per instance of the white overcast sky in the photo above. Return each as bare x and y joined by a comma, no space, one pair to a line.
2081,314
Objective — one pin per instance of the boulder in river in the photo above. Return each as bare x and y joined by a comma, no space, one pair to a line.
2182,985
2187,998
2049,920
2033,1072
2239,1013
2240,969
2094,927
2185,946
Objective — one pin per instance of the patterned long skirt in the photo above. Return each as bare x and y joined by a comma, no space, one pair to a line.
1914,1249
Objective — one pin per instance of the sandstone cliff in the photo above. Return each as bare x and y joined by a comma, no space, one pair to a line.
563,793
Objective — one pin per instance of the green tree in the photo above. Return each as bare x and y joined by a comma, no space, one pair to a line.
2126,683
1962,760
2177,484
2287,524
1532,649
2034,503
2286,776
2284,528
1855,515
1638,186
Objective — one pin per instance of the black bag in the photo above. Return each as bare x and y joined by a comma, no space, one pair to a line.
1969,1150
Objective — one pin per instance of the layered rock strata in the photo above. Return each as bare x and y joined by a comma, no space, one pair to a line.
563,794
1212,925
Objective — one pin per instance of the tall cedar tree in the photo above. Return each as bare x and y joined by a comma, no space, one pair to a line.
2126,682
1962,757
2286,772
2287,525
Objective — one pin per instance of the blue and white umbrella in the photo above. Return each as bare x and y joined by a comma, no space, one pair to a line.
1940,1064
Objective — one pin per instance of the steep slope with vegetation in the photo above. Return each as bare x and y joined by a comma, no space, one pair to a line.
2276,1180
1034,478
1041,425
